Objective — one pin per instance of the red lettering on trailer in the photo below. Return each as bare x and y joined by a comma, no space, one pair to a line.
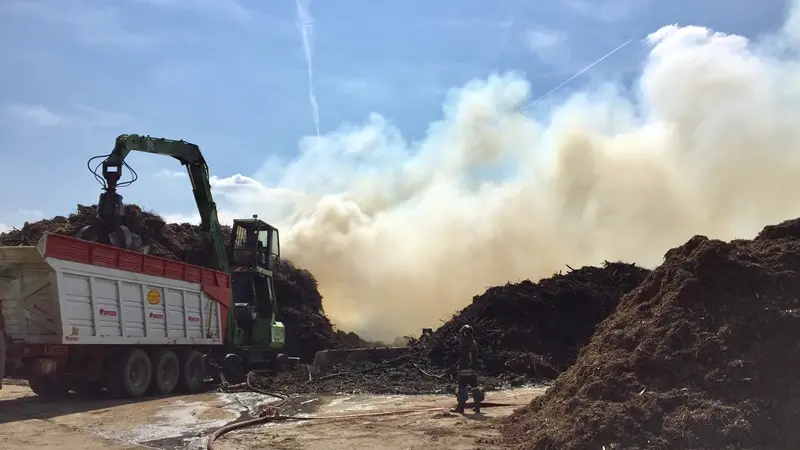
156,316
38,350
194,319
109,313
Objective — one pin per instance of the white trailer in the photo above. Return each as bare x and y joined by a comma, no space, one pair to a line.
80,315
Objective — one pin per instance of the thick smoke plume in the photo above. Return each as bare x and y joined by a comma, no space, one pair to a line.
401,234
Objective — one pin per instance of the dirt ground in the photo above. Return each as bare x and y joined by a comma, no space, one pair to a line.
27,422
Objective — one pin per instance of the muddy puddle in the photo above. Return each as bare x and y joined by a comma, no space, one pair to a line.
180,426
186,425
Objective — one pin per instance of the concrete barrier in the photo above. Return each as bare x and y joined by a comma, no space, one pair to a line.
326,359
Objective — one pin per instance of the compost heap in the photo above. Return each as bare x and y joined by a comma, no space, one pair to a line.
299,301
351,340
702,355
524,331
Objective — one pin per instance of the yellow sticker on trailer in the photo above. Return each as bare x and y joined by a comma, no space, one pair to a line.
154,297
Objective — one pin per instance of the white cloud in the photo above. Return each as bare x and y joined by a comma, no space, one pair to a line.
81,116
166,173
372,90
90,116
4,228
225,217
610,11
228,9
38,115
544,39
89,24
472,24
550,46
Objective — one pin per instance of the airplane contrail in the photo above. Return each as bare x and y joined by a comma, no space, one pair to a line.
305,23
580,72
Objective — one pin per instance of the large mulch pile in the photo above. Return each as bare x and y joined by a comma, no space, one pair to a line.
535,329
351,340
704,354
299,301
525,331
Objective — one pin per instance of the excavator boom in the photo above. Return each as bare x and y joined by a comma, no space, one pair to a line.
185,152
189,155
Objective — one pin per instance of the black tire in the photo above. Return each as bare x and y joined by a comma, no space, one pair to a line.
233,369
50,387
129,374
193,372
166,372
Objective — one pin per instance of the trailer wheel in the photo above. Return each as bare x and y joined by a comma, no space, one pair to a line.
47,386
193,371
166,371
129,374
233,369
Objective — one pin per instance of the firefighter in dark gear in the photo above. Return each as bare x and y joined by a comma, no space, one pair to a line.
2,356
467,371
2,349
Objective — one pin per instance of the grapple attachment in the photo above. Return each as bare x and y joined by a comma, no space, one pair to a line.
121,237
107,228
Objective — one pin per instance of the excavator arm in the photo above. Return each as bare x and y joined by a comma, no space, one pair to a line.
107,226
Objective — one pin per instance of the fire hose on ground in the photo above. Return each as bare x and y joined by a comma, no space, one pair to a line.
271,414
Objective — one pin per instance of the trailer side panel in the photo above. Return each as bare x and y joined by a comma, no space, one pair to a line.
68,291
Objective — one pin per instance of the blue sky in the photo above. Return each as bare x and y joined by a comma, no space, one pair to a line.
232,76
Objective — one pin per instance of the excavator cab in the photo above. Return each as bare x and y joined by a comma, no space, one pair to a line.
254,253
254,245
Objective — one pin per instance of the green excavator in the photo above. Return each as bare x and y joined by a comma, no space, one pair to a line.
251,255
